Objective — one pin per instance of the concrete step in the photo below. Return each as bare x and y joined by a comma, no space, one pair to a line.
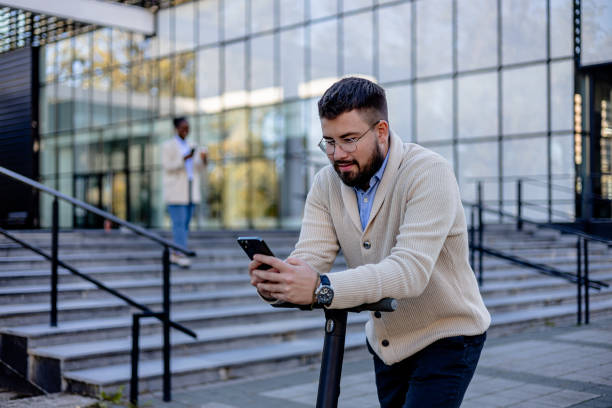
560,262
209,367
77,356
119,326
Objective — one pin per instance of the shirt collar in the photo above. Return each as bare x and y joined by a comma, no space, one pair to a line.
378,175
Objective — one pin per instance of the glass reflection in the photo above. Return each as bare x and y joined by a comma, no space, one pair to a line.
357,44
476,34
524,100
434,37
434,111
208,21
523,31
477,110
292,62
596,32
395,42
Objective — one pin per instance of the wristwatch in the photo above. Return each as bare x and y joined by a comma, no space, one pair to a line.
324,293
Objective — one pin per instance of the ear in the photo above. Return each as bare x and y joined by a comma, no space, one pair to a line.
382,132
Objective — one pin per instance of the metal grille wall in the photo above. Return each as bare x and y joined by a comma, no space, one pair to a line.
18,136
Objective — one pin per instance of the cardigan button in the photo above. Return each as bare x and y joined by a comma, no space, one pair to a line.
385,343
377,314
367,245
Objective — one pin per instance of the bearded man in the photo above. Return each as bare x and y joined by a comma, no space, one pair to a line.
395,210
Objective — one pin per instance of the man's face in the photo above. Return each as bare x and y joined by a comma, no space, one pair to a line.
183,129
358,167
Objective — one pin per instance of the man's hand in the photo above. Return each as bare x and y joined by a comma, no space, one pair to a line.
291,281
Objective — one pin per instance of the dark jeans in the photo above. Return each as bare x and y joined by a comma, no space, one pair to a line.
436,376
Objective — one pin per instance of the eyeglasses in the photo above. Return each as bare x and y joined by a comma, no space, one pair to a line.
348,145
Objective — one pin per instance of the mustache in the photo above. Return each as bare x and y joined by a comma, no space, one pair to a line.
342,163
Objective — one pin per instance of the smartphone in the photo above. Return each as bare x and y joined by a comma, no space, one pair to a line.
255,245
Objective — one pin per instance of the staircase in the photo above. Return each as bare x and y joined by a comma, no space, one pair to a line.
238,334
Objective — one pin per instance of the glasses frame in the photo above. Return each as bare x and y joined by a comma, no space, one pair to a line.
353,141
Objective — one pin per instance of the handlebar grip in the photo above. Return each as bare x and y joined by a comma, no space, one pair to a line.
383,305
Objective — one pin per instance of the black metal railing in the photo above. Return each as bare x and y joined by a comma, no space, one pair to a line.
163,316
580,278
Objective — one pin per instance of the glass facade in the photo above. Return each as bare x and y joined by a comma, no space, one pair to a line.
485,83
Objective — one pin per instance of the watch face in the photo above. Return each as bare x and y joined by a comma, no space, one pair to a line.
325,295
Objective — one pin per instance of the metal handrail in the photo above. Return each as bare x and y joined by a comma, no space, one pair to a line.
581,278
163,316
96,282
104,214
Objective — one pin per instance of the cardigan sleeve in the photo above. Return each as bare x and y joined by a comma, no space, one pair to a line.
318,243
430,211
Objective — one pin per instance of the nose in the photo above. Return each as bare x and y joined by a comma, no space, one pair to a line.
339,154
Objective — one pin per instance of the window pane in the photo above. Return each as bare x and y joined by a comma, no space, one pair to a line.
65,106
291,12
101,48
234,18
208,23
526,157
166,75
395,42
523,30
262,15
355,4
562,165
478,161
596,31
64,60
120,94
47,108
49,62
357,38
524,100
562,88
292,61
141,90
82,103
235,129
434,37
561,42
476,34
323,8
399,100
100,94
82,54
434,111
121,47
477,105
208,91
164,32
235,94
323,54
184,27
184,77
263,91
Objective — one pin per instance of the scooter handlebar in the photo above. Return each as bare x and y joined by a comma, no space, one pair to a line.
383,305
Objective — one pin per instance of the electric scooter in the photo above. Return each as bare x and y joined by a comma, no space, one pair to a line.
333,346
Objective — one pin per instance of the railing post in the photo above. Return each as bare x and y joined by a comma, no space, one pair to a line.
135,357
54,256
480,233
579,283
519,204
166,296
586,280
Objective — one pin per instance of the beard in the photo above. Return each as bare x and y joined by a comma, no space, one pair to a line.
362,178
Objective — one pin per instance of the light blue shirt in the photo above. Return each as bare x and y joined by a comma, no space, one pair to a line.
185,149
365,199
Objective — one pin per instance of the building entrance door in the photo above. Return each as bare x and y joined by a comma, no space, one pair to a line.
596,169
107,191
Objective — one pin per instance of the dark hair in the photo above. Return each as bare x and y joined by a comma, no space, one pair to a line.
354,93
177,121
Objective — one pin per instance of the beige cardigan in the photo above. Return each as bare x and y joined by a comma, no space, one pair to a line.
175,181
418,251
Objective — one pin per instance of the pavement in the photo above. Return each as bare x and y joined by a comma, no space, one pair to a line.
569,366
